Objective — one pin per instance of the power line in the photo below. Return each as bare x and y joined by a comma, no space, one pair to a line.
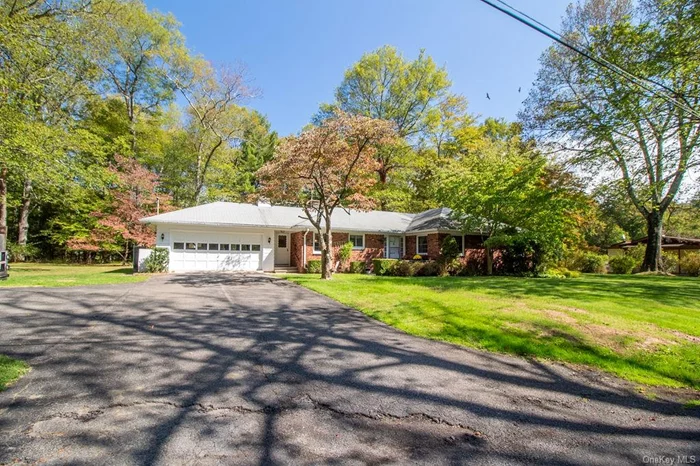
666,94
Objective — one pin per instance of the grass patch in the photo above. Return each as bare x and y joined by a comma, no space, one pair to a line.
643,328
11,370
692,404
37,274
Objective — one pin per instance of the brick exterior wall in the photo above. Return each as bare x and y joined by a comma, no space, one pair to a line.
410,250
374,248
296,250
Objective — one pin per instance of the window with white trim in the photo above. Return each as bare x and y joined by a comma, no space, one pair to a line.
358,241
317,244
422,245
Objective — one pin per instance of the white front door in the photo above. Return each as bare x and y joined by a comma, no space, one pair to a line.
282,249
394,248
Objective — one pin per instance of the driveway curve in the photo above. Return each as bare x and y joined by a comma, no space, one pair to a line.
251,369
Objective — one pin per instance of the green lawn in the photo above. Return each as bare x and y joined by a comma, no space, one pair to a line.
643,328
29,274
10,370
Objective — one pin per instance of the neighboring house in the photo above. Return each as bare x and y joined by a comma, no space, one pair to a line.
232,236
674,244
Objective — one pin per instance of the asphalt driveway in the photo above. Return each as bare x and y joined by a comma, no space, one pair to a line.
249,369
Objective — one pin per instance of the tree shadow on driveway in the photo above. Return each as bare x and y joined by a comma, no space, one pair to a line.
249,369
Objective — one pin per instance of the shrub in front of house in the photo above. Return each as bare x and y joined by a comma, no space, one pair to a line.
344,253
157,261
428,268
382,267
449,252
474,263
404,268
623,264
591,262
690,264
313,266
357,267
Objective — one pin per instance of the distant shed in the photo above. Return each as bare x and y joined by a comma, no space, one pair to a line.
676,244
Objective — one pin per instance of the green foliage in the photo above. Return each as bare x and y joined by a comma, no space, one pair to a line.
623,264
449,252
382,266
11,370
404,268
643,139
357,267
157,261
512,196
23,252
690,264
428,269
560,272
344,253
594,263
313,266
414,96
669,261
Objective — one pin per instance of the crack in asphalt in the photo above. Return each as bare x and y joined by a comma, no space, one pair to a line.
290,406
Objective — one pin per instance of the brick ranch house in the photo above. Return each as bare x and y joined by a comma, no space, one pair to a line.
224,236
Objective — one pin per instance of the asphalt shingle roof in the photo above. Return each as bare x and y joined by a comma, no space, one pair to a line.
266,216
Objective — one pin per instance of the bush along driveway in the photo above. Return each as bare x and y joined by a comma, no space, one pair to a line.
249,369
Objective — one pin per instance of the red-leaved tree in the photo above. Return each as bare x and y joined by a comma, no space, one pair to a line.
327,167
134,195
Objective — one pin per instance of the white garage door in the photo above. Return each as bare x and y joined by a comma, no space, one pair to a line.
211,251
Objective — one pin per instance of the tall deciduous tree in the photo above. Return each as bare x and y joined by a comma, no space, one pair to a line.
44,75
385,85
134,195
216,121
507,194
607,123
327,167
139,51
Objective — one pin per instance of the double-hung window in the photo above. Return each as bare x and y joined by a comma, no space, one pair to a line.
358,241
422,245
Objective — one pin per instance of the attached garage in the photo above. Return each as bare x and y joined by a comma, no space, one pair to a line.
210,251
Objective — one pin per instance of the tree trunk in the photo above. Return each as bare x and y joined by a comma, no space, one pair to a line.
489,260
3,208
652,256
327,256
23,230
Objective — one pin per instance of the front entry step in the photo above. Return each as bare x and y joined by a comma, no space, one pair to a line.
285,269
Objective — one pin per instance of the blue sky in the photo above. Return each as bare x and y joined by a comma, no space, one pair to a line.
296,52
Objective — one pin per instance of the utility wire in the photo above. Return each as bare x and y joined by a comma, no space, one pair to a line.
666,94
